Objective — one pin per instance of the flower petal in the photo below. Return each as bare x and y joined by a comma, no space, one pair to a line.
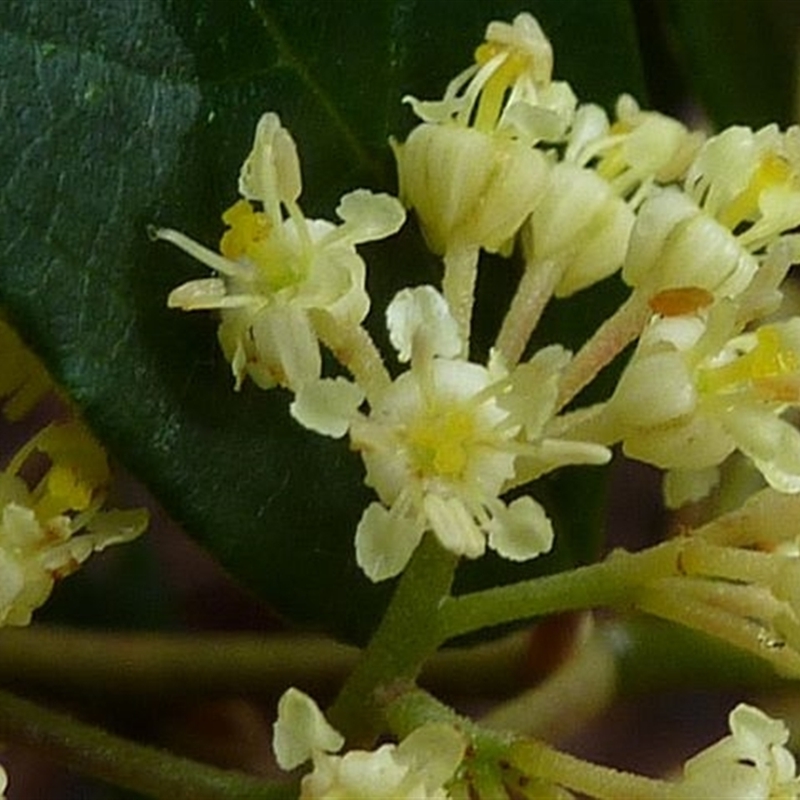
368,216
454,526
772,444
327,406
301,730
271,172
433,751
385,542
420,317
521,531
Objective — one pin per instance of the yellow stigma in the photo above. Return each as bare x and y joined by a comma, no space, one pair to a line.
439,443
246,229
773,170
757,369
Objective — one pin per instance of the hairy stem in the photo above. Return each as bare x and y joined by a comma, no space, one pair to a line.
407,637
538,760
458,287
354,348
533,293
612,583
102,755
607,342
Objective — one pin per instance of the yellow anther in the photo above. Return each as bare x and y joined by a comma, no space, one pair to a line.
680,301
246,228
486,51
756,369
69,488
773,170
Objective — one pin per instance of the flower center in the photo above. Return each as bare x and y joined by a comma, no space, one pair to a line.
773,170
768,368
440,441
246,228
249,235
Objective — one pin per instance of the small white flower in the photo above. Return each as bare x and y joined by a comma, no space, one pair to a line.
639,149
276,269
674,244
581,224
444,441
470,189
416,769
693,393
470,170
752,762
741,193
47,532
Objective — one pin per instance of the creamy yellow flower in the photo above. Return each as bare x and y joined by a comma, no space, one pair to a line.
418,768
581,225
639,149
696,390
445,440
47,531
752,762
469,170
277,266
741,193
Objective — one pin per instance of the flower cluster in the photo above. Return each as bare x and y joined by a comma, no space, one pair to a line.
510,161
752,761
418,768
51,494
277,271
735,578
48,529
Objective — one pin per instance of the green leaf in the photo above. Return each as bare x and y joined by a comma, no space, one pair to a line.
740,57
118,115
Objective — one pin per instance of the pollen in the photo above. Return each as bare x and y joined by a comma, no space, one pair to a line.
681,301
246,228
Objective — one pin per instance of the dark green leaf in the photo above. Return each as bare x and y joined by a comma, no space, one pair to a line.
122,114
739,55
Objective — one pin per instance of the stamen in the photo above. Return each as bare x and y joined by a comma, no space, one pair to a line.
758,367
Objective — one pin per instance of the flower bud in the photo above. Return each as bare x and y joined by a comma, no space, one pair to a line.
469,189
582,224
